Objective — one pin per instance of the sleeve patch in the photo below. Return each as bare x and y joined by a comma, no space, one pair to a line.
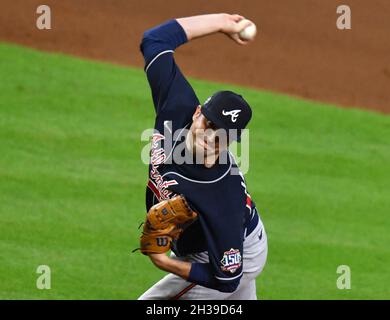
231,260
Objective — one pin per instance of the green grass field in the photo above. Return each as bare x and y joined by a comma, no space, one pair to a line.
72,184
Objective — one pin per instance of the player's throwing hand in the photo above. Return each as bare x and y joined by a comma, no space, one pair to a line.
232,27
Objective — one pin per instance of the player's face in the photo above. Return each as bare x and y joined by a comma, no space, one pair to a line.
207,140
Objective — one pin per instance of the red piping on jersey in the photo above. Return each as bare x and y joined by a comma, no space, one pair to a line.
154,189
185,290
248,201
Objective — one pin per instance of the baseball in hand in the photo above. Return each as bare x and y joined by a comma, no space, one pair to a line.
249,32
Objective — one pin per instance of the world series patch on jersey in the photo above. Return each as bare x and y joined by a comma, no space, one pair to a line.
231,260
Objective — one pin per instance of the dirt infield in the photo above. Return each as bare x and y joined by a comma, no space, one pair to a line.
299,49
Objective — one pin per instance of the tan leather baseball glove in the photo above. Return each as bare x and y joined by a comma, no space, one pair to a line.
164,223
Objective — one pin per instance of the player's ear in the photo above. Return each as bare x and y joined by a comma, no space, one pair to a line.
196,113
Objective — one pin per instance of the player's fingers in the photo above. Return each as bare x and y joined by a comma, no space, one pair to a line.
242,26
242,42
237,39
237,17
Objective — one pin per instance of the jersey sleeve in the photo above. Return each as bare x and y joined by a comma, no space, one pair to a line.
223,225
164,76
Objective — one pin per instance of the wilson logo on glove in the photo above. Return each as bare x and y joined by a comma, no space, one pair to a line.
162,241
165,222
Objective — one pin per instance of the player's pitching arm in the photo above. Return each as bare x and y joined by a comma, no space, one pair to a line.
178,267
196,27
200,26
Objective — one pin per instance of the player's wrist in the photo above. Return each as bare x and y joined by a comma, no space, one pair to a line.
224,22
158,259
165,263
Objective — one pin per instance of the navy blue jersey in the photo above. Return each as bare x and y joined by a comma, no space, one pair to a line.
225,210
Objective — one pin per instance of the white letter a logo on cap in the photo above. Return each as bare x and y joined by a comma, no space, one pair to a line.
232,113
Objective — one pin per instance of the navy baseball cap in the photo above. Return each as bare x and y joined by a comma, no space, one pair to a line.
227,110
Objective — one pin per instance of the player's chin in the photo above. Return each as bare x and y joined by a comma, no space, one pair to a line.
203,151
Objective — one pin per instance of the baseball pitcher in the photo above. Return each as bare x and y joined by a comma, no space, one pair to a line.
198,208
